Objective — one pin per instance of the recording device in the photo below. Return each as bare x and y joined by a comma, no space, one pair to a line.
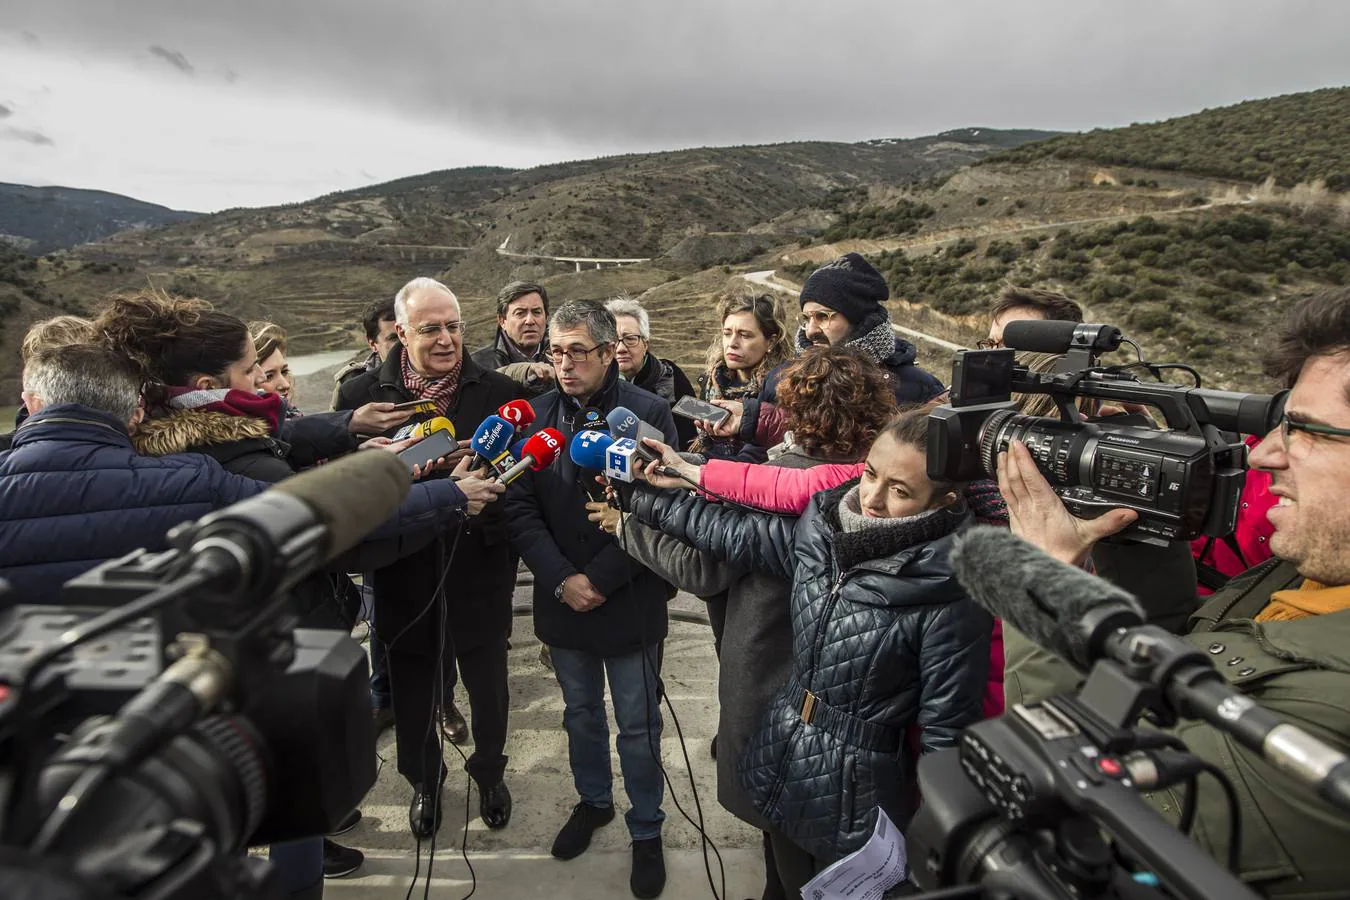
200,720
1183,481
492,442
537,453
624,423
416,406
428,450
518,412
619,458
699,410
587,452
1019,809
425,429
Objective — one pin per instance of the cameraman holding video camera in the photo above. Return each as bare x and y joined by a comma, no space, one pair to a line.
1280,633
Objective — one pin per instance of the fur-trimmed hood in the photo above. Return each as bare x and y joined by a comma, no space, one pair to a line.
188,430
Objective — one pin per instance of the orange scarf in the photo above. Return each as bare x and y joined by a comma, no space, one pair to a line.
1311,599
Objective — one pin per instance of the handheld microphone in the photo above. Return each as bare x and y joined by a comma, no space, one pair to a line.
425,429
592,419
1084,619
518,449
518,412
619,459
538,452
587,451
1055,336
624,423
492,441
268,543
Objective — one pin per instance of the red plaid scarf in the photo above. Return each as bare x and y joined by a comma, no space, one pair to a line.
441,391
268,407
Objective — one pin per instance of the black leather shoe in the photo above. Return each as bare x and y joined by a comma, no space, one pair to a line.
453,724
494,805
649,869
575,835
424,814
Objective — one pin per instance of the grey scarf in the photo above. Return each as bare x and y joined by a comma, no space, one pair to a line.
878,343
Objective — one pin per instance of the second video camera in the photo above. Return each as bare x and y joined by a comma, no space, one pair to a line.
1183,480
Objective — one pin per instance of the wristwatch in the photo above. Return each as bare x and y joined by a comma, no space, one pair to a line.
557,591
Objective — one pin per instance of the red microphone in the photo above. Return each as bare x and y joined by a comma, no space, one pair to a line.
518,412
539,452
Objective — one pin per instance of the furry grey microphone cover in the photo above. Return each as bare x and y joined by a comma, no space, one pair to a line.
1036,594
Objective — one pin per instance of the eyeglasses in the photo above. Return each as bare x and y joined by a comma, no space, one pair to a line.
575,354
433,328
632,340
820,318
1288,425
989,344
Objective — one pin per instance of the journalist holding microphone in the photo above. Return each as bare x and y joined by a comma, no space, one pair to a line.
475,570
1279,633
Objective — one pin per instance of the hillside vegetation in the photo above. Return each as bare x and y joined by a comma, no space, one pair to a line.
1294,139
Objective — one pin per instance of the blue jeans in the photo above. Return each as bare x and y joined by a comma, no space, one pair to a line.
636,697
379,663
299,864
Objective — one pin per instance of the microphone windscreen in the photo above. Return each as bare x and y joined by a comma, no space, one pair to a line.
587,449
438,423
1039,335
543,447
351,496
1042,597
493,437
622,422
518,412
518,449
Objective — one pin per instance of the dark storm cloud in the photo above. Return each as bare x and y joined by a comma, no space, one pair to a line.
5,111
36,138
612,74
173,58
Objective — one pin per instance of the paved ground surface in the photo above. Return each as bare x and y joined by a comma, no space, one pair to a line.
514,862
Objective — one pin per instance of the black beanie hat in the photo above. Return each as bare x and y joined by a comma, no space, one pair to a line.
850,286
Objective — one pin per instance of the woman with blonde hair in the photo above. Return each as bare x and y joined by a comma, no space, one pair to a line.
754,340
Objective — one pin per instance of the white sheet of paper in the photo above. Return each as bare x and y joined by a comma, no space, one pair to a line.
868,872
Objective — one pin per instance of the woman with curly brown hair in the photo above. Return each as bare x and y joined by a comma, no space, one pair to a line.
838,402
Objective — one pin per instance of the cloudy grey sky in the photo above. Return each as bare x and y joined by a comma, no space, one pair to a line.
206,104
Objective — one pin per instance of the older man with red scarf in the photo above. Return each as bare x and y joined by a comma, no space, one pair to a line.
451,601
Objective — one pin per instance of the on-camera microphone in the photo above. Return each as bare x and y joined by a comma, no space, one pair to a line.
518,412
1084,619
1045,599
1056,336
538,452
492,441
624,423
270,542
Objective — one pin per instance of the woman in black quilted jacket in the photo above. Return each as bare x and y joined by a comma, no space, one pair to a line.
889,655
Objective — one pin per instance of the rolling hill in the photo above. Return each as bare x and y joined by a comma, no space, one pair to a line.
41,219
1167,229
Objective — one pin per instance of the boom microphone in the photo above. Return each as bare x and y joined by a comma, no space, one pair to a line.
518,412
270,542
538,453
1055,336
1039,596
1084,619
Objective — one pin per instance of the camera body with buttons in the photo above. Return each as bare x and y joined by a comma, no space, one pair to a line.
1184,479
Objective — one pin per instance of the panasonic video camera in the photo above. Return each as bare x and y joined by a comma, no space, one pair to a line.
1184,480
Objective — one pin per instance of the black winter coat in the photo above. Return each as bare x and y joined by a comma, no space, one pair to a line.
880,646
556,540
482,573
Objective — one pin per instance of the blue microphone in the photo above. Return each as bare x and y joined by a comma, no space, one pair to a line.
624,423
492,441
587,452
